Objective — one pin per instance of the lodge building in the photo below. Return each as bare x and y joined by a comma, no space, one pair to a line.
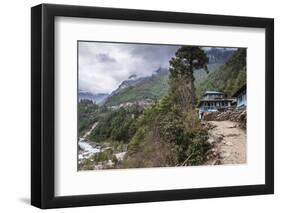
213,101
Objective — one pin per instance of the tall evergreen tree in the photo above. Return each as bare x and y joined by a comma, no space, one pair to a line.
182,66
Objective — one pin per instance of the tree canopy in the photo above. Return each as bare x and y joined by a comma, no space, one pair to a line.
186,60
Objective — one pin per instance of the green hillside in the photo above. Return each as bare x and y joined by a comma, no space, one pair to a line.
87,113
217,58
228,78
154,87
201,75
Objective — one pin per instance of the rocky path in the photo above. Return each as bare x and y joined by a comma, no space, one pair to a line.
229,142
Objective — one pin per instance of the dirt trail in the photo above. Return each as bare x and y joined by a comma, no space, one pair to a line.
229,142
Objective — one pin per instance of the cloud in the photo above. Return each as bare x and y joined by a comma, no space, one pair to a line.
103,66
225,48
105,58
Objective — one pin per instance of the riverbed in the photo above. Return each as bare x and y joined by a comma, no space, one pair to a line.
88,149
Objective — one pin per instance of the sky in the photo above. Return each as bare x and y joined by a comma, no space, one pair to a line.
103,66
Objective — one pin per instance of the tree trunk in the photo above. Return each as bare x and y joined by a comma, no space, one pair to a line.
186,93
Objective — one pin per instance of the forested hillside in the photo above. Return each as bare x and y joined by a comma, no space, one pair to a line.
228,78
169,133
118,125
217,58
154,87
87,112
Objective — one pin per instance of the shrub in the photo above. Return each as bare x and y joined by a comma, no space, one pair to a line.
171,128
196,152
164,126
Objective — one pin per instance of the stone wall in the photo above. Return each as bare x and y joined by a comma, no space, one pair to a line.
236,115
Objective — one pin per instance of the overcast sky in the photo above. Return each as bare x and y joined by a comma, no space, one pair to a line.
103,66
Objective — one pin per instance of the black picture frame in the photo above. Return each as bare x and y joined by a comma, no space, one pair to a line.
43,102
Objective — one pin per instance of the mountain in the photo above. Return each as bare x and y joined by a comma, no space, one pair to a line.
136,89
98,98
219,55
132,81
156,86
217,58
228,78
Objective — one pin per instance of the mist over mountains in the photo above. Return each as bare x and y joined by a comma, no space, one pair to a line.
97,98
155,86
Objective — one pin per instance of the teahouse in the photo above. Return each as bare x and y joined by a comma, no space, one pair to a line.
213,101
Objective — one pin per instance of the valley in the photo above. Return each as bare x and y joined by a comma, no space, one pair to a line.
143,123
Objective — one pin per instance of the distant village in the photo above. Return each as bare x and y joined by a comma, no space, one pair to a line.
211,101
141,103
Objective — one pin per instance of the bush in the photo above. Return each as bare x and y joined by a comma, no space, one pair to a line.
162,126
172,128
195,153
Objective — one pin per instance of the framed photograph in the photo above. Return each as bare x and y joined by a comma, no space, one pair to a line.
139,106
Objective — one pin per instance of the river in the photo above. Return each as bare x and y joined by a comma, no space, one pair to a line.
88,149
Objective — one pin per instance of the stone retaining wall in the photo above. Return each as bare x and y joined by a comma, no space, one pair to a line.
236,115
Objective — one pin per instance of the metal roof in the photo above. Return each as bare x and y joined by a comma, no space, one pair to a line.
214,92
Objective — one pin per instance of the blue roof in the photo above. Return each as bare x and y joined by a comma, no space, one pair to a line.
214,92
